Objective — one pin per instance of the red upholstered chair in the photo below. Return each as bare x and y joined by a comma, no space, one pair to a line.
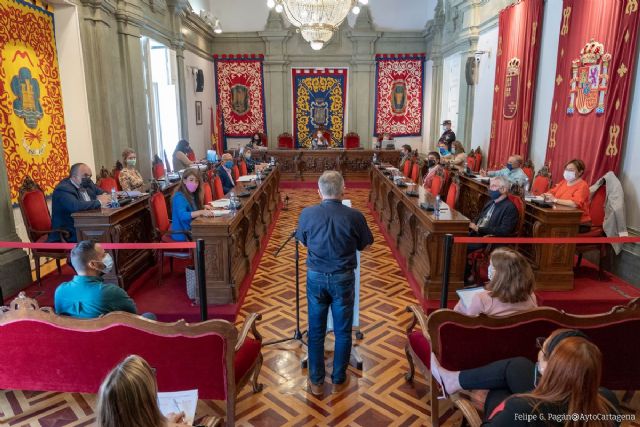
212,356
191,156
235,172
243,168
436,184
162,231
478,157
106,182
596,211
116,174
157,168
264,139
415,173
542,181
327,135
37,220
529,172
285,141
218,190
406,168
208,194
352,141
471,161
453,194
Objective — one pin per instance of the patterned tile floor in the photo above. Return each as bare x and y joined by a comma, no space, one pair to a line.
377,396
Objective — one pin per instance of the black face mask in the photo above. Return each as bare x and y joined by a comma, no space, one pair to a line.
86,182
431,163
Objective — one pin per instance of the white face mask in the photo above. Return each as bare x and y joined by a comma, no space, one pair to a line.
491,272
569,175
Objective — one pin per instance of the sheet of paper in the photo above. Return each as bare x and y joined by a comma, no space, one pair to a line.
179,401
467,294
346,202
220,203
221,212
246,178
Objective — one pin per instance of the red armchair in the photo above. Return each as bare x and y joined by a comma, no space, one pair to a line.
285,141
542,181
406,168
415,172
352,141
453,193
528,169
478,157
116,174
106,182
596,210
243,168
162,231
212,356
218,190
37,220
157,168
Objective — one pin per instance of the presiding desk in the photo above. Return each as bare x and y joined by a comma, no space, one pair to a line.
306,164
418,234
127,224
233,240
552,263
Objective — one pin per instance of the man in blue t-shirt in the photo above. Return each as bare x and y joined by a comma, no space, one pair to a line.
87,296
332,233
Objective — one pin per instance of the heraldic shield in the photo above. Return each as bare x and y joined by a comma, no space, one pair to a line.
239,99
399,97
511,89
589,79
319,112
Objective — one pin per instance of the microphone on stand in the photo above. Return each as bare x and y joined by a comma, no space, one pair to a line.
286,203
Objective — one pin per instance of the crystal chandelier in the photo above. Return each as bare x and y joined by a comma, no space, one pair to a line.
317,20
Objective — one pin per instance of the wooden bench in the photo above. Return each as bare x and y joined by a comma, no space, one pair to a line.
463,342
46,352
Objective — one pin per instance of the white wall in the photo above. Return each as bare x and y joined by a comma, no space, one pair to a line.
199,135
484,92
74,93
426,114
451,90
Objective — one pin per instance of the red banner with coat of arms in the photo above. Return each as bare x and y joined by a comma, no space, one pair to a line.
240,95
34,138
399,94
519,30
594,74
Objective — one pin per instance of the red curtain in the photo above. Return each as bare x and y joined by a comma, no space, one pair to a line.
519,29
594,74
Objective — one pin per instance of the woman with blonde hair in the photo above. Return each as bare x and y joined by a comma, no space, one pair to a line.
510,287
130,179
565,381
128,396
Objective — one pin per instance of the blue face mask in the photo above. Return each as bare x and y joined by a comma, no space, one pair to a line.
443,151
494,194
509,166
228,164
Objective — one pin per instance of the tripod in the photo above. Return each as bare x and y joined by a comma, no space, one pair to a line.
297,334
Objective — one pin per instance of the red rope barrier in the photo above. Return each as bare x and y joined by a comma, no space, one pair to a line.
547,240
69,246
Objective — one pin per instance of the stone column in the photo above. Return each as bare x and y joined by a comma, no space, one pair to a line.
15,269
178,45
276,78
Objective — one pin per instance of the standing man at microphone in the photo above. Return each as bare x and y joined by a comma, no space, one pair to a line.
332,233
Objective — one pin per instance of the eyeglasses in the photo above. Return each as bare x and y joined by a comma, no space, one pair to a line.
540,344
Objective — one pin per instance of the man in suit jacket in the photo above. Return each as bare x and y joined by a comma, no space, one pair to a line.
74,194
225,172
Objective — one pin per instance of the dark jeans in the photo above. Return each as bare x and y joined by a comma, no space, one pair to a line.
335,290
502,378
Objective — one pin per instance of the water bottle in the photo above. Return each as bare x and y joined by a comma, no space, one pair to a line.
526,186
114,199
232,202
258,177
273,161
375,158
436,209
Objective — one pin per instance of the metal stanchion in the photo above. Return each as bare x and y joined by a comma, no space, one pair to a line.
448,249
202,285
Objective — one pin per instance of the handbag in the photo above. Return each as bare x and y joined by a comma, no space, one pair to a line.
192,283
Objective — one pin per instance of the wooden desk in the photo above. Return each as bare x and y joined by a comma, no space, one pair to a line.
552,264
419,235
128,224
310,164
232,241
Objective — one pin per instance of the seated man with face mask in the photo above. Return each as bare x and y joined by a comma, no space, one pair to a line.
86,296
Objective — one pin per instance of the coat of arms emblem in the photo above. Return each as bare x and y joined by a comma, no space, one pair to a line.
240,99
589,79
399,97
511,88
319,112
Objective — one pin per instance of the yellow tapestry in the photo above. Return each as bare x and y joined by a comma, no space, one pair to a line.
32,126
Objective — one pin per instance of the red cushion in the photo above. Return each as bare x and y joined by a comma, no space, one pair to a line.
35,208
235,172
436,185
452,195
159,211
596,207
415,171
158,170
191,156
107,184
406,170
218,191
246,356
420,347
285,141
352,141
116,176
181,362
208,195
529,173
243,168
540,185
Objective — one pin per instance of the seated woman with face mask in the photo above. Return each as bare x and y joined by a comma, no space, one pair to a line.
573,191
186,204
319,141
